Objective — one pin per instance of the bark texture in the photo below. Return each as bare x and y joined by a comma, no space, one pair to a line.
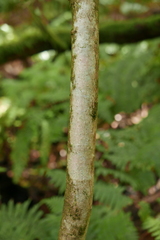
83,112
32,42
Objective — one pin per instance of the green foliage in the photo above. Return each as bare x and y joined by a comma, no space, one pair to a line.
2,169
21,222
115,225
111,195
45,141
18,222
153,226
55,204
58,178
34,113
144,211
104,222
37,109
122,176
8,5
20,150
150,223
122,88
144,179
135,151
118,227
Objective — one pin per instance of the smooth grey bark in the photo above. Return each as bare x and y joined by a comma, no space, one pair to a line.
83,114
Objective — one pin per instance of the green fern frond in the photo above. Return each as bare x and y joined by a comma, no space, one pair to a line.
122,176
18,222
111,195
39,110
55,204
144,211
117,227
110,225
133,87
121,149
45,141
153,226
98,212
60,122
135,149
20,150
144,179
52,226
58,178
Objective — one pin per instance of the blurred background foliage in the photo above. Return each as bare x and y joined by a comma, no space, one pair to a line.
34,118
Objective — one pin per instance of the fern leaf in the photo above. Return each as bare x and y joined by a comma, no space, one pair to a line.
153,226
129,86
45,141
122,176
110,225
144,179
20,151
111,195
58,178
144,211
18,222
55,204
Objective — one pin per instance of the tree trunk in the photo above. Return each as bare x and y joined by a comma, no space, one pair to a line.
83,112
